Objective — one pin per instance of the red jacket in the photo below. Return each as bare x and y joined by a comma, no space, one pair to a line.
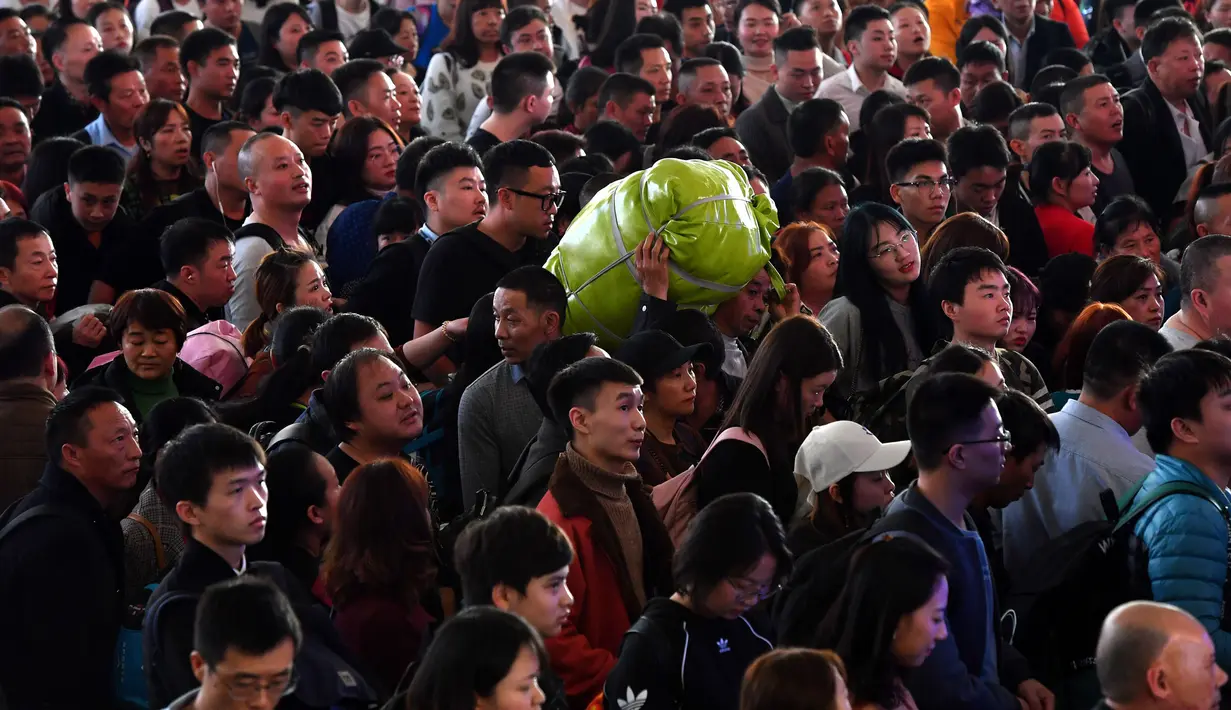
1064,231
605,604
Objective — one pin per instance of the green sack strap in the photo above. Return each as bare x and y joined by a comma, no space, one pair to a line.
1167,489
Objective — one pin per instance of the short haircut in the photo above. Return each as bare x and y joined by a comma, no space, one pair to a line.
689,69
857,22
440,161
1205,207
1173,389
12,231
995,103
1023,116
1220,37
666,26
1122,214
543,290
729,55
622,89
976,24
561,144
57,33
146,51
153,309
972,147
187,243
796,39
628,53
1059,159
1161,33
981,52
517,18
409,161
169,24
578,384
97,164
311,42
249,614
25,342
808,184
187,465
909,153
677,7
727,539
351,78
311,90
341,391
584,83
1028,425
218,136
1051,74
687,151
20,77
611,139
940,70
957,269
339,335
512,546
398,214
945,408
1070,57
1199,267
507,164
1118,277
1121,354
104,67
200,44
590,164
710,136
1073,98
69,421
517,76
809,124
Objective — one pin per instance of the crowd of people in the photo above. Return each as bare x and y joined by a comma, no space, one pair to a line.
294,415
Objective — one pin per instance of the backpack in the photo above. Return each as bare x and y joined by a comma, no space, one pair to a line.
1054,611
215,350
882,409
676,499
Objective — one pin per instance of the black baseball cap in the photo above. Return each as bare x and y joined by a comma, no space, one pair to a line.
653,353
374,44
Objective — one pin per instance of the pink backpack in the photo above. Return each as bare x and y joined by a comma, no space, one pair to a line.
676,499
214,350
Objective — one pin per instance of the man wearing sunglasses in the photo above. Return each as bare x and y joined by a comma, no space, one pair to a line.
521,98
523,189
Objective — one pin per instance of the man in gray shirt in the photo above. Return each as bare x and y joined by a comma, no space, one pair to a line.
1205,288
498,416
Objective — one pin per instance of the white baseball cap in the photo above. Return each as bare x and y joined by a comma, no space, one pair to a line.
836,450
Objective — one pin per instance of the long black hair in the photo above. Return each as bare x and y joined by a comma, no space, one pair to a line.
461,41
610,23
727,539
884,344
294,485
271,28
888,580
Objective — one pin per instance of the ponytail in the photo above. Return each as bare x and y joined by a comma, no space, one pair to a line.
254,339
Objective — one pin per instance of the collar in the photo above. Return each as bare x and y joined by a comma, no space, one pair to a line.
1094,417
1177,114
13,391
1179,468
195,312
1030,33
428,235
517,373
100,134
63,486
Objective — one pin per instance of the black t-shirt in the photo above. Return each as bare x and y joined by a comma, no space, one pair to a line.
463,266
112,261
482,141
200,124
387,291
192,204
342,463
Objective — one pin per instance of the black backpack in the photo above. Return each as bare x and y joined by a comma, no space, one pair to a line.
1055,609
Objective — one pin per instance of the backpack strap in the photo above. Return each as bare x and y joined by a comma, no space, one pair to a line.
1168,489
734,434
38,511
153,531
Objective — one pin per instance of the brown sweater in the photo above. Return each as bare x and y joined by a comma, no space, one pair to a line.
609,489
23,456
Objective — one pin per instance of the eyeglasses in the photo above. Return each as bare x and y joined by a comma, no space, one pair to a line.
743,596
944,184
546,201
1005,440
887,248
247,688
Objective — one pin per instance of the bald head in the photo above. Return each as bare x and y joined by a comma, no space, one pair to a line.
26,346
274,172
1139,637
255,150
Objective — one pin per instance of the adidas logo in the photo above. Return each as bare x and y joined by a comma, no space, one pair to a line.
724,645
633,702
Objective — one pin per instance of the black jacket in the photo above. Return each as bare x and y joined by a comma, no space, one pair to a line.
81,263
115,374
313,429
387,291
1047,35
1106,49
61,599
60,114
527,483
1027,247
192,204
762,127
1151,145
196,316
675,659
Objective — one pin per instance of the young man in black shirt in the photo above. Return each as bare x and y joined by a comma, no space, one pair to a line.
211,63
522,85
524,194
197,257
91,231
310,106
67,45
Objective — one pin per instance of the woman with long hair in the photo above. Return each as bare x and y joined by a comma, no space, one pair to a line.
281,29
882,322
1069,361
163,168
365,161
610,22
785,386
460,74
732,556
965,229
1062,182
888,127
795,679
256,105
380,565
887,620
283,280
1132,283
483,658
810,255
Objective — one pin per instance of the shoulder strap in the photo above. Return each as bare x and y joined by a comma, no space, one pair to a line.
735,434
153,531
37,511
1163,491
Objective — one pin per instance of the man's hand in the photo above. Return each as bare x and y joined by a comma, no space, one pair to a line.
791,304
789,21
89,331
1035,696
650,259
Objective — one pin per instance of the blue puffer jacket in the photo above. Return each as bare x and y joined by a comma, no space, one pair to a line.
1187,542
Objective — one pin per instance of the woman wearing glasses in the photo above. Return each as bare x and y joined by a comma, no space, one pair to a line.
691,650
882,322
366,153
1062,187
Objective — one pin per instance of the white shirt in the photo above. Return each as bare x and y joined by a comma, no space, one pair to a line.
1194,145
350,23
148,10
1017,57
848,90
734,363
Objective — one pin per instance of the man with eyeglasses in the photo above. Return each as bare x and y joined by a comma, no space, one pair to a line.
523,189
920,183
245,640
960,444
